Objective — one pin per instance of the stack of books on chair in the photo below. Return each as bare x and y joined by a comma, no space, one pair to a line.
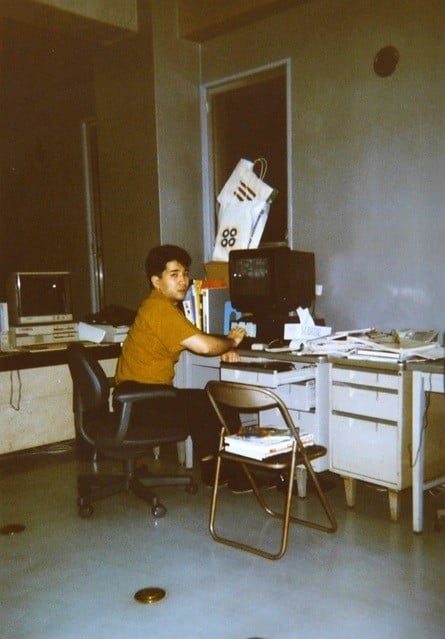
261,442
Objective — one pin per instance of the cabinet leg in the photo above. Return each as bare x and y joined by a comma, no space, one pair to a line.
301,477
180,448
394,504
350,490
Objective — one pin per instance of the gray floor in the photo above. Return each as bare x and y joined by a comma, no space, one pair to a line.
66,577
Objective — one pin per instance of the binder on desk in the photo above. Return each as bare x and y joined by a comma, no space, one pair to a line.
213,305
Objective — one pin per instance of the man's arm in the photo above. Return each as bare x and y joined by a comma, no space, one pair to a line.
203,344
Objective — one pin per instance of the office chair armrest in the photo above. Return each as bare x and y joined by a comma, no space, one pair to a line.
129,392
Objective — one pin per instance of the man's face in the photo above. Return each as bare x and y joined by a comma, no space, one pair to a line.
173,282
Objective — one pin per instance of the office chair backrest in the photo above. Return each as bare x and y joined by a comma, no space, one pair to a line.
90,384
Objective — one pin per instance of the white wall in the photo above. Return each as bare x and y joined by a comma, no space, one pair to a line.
368,152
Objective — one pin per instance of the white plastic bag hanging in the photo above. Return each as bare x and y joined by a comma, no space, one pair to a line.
244,206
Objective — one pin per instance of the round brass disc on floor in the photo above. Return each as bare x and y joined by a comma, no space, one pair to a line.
149,595
12,529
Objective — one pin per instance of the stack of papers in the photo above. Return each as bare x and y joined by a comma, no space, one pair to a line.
401,351
368,344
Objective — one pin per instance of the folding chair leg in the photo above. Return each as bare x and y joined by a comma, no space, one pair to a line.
251,397
285,516
325,504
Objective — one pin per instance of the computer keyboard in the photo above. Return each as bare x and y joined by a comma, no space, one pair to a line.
39,348
270,365
57,346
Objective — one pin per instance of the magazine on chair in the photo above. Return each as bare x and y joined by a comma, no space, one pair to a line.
261,442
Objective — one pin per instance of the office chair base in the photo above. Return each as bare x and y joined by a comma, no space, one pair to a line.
94,487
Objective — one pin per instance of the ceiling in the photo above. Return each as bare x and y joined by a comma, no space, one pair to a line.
45,50
38,57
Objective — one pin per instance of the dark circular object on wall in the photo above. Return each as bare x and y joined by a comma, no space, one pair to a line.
12,529
385,61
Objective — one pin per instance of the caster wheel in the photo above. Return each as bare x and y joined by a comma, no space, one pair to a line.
192,488
85,512
158,510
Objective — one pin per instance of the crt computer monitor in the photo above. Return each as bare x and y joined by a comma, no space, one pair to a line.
39,297
271,280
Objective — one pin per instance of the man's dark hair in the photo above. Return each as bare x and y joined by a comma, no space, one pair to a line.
157,258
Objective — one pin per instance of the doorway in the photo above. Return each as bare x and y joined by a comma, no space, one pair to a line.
248,117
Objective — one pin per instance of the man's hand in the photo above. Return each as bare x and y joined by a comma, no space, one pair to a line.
237,335
230,356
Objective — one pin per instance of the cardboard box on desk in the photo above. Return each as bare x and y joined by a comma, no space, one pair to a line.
217,271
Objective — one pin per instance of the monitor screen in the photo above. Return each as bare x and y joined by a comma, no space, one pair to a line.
253,276
271,280
42,294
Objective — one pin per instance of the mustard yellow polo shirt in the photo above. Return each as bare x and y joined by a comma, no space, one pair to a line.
153,344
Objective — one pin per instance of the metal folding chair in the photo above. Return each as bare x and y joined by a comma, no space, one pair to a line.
248,398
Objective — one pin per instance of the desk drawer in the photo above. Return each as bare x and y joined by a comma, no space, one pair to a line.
299,396
371,403
364,450
365,378
266,378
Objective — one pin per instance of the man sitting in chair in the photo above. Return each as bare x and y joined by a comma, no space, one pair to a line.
157,338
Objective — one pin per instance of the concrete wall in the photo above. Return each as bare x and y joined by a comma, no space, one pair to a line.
42,218
366,179
368,152
176,76
125,113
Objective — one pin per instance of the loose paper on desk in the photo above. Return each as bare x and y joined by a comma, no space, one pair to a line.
89,333
304,331
401,350
339,344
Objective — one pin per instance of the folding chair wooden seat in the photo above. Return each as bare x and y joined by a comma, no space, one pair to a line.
248,398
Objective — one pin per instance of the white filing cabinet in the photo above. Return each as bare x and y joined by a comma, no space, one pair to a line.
370,428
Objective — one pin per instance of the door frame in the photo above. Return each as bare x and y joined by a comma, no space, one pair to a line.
208,194
93,214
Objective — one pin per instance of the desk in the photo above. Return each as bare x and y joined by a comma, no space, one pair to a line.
20,360
368,414
36,396
194,371
427,377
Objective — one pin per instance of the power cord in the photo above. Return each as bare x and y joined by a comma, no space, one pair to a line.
15,406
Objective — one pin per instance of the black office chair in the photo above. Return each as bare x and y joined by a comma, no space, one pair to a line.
114,434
